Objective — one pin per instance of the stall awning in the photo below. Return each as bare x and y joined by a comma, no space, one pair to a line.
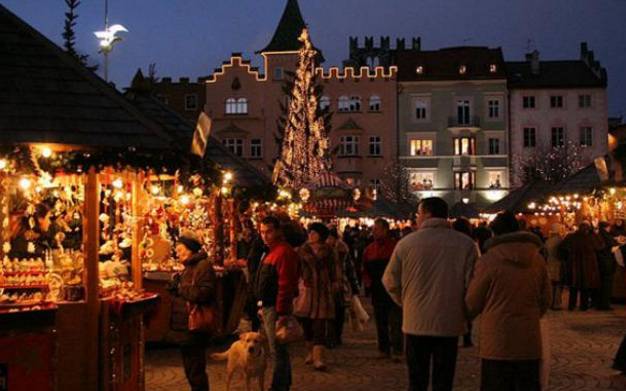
517,200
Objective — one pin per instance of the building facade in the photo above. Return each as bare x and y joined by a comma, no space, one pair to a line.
461,120
452,110
246,106
184,96
557,104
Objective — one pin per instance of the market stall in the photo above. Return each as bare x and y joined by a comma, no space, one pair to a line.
66,138
206,205
588,195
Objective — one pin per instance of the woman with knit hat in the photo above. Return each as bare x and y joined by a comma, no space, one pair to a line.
194,286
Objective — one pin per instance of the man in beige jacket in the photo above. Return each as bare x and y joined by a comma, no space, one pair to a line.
511,291
428,274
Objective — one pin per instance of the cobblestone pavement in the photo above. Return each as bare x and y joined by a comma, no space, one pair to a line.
583,345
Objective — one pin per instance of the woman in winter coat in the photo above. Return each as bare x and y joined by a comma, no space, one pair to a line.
194,286
347,285
511,291
315,304
554,264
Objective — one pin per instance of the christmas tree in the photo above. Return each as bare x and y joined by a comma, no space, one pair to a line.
304,149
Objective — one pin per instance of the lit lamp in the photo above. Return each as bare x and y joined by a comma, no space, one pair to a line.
305,194
25,184
108,38
46,152
118,183
3,164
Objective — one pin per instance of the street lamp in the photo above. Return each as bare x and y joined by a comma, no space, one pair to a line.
108,38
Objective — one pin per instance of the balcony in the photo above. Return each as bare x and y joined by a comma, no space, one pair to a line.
465,161
456,122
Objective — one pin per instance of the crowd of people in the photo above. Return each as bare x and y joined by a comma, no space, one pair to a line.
427,283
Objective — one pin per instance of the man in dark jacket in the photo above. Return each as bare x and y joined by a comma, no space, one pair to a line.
194,286
387,313
607,266
581,272
277,285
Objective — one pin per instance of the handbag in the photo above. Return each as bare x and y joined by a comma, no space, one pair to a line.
203,318
288,330
303,303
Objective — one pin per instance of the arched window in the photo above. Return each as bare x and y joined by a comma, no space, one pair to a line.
324,103
242,106
375,103
355,103
344,104
231,106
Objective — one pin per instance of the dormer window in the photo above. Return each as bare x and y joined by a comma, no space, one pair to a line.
493,68
419,70
462,70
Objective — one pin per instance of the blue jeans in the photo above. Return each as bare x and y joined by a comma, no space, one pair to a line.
279,353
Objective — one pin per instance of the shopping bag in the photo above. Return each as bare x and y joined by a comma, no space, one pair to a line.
358,315
288,330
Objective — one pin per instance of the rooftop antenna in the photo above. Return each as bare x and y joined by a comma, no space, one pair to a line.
108,38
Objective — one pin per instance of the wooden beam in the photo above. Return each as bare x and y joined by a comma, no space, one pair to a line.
137,211
91,276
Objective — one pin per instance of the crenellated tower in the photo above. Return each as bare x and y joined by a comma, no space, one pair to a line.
372,55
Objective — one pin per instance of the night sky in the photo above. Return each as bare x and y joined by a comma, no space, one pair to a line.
192,37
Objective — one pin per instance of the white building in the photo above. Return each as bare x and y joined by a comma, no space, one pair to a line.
555,103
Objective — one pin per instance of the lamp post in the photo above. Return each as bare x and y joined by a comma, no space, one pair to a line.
108,38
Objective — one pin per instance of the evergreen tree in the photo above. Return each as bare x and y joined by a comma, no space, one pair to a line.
69,36
304,141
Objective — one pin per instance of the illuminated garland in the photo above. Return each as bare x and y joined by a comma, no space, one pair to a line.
304,152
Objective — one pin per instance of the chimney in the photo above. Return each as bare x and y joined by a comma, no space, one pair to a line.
583,50
400,44
417,44
354,44
533,59
385,43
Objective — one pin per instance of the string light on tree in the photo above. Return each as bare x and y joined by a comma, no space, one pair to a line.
304,149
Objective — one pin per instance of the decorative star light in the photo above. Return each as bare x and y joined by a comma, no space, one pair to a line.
108,37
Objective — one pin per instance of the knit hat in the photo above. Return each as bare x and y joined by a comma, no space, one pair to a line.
190,241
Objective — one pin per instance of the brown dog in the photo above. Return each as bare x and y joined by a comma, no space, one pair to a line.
247,354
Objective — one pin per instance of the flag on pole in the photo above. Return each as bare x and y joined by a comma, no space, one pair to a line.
602,169
201,135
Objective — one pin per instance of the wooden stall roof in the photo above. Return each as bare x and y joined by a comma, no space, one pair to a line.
584,181
518,199
182,131
47,96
